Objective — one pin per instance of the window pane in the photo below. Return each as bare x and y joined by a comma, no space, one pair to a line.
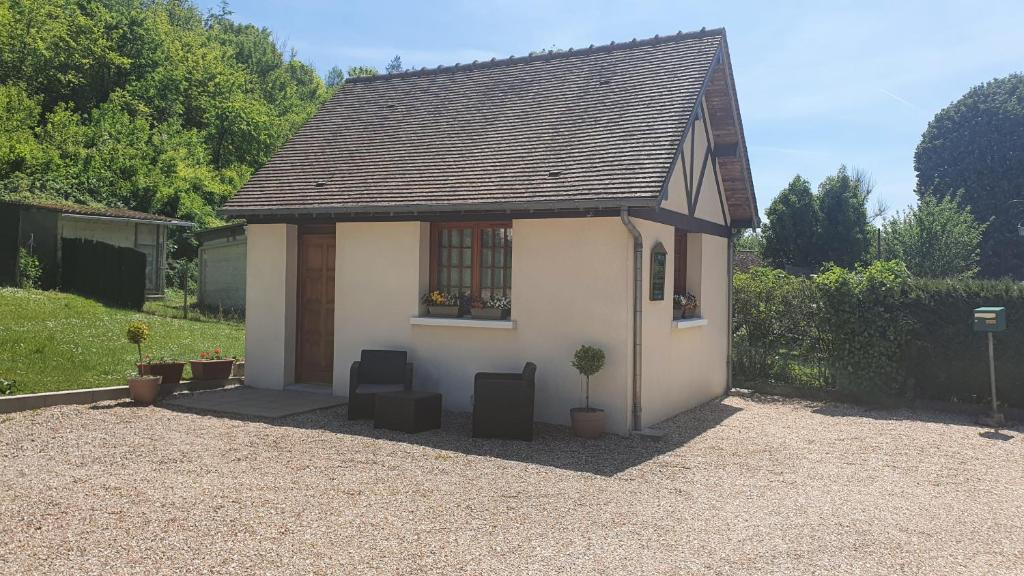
444,238
467,256
499,258
499,277
455,257
486,236
456,238
467,237
485,257
485,278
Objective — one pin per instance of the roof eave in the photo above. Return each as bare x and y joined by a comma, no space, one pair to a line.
415,209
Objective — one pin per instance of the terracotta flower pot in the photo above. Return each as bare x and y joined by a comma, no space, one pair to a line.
588,423
170,371
144,389
211,369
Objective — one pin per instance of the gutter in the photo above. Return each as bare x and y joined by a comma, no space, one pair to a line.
127,219
638,263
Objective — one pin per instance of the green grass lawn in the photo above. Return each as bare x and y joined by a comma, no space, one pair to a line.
51,341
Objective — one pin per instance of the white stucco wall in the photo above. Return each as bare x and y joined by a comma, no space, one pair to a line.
222,273
571,285
270,275
685,367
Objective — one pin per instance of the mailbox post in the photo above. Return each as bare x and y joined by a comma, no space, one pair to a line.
991,319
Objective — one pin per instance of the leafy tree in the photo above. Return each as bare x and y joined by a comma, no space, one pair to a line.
335,77
937,239
843,236
394,66
794,221
358,71
976,145
143,104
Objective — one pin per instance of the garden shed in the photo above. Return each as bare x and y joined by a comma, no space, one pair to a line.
222,268
41,227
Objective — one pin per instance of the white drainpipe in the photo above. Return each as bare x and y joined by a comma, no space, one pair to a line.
638,318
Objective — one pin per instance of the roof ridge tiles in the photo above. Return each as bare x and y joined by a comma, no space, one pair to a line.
547,55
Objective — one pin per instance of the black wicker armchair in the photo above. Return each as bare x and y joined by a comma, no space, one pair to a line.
503,404
376,372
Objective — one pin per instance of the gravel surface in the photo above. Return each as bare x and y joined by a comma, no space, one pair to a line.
742,486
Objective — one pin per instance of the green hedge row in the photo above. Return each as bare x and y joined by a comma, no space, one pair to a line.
876,333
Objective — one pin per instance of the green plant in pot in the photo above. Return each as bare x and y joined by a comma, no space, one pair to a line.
588,422
142,388
169,369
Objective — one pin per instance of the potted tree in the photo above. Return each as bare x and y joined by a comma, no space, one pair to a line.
588,422
211,366
443,304
142,389
495,308
168,369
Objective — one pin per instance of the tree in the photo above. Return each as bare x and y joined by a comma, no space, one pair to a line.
843,237
794,221
335,77
394,66
359,71
976,145
938,239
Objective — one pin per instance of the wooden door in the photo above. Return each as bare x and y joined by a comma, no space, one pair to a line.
314,345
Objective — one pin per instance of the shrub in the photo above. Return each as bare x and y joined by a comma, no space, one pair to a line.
588,360
30,270
7,387
875,333
138,334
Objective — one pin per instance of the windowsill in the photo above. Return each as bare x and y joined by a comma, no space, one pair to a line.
462,322
685,323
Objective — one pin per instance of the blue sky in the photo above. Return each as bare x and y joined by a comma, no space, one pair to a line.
820,83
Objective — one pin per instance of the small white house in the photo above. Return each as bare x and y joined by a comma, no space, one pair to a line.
222,268
589,186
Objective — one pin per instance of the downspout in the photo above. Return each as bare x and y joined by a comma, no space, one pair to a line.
730,270
638,271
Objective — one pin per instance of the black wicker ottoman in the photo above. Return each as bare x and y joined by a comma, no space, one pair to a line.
407,411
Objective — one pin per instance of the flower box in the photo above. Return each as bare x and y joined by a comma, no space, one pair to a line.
443,311
488,313
211,369
170,372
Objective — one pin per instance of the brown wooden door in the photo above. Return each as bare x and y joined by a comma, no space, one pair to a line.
314,363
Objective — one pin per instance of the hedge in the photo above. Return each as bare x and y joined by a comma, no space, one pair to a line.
876,333
108,273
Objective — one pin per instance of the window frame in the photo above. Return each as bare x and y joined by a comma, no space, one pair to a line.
680,262
477,226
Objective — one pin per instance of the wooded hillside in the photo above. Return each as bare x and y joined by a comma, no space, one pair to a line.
144,104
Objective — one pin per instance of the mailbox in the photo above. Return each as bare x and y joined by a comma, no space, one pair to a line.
990,319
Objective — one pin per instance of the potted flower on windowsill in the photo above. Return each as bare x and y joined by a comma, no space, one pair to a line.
168,369
143,389
684,306
443,304
211,366
494,308
588,422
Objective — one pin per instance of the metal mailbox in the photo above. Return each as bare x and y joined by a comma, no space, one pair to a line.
990,319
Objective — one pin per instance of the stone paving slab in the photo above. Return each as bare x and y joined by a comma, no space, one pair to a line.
248,401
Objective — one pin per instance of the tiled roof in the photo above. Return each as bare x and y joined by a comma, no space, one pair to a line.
592,127
100,211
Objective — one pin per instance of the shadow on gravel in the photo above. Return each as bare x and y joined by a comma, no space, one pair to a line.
935,414
553,446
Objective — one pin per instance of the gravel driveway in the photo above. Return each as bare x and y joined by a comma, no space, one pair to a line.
742,486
